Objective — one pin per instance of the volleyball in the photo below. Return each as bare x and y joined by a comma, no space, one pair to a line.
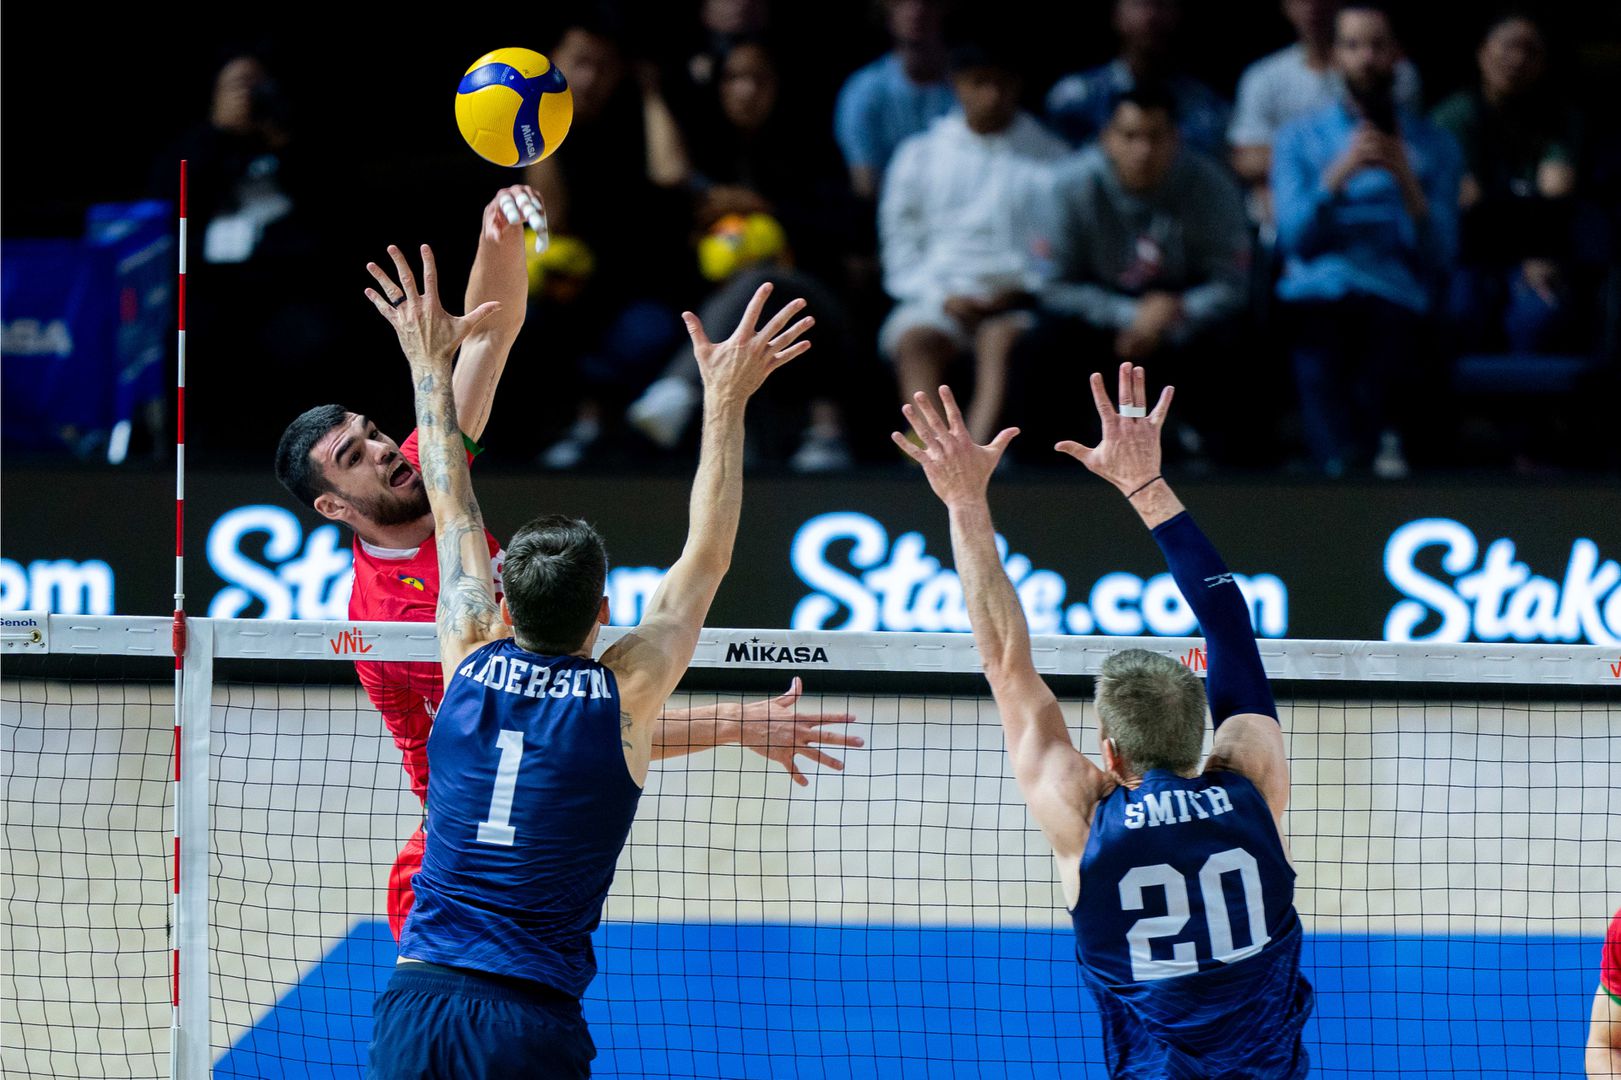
513,107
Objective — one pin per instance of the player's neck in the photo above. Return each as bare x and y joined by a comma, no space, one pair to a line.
1134,780
409,534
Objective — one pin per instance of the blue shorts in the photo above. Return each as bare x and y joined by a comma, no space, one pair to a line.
441,1022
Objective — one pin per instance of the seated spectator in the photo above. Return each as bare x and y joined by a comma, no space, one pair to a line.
1295,80
1080,105
757,167
1150,255
1367,197
694,69
753,149
897,95
616,271
955,234
1519,151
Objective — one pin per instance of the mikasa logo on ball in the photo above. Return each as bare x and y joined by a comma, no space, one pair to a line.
528,139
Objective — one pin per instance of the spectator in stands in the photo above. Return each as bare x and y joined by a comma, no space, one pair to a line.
955,232
1080,105
1366,198
255,211
1150,257
897,95
1287,85
690,82
1519,151
616,206
757,165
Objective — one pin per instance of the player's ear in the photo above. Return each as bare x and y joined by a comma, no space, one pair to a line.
506,612
329,505
602,612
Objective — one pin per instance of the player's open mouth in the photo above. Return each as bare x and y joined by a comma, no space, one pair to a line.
401,476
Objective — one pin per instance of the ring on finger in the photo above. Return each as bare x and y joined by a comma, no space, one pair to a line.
396,301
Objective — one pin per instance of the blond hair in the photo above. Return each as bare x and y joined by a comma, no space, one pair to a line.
1153,708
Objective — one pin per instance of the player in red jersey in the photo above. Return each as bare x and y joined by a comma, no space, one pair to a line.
339,462
1604,1037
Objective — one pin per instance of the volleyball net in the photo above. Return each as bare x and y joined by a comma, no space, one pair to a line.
1452,823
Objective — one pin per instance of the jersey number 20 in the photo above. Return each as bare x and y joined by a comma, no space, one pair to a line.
1184,954
496,828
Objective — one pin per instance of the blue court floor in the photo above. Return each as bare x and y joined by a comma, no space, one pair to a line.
704,1001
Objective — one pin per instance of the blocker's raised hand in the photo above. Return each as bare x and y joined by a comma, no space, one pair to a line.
738,366
428,333
959,470
1128,454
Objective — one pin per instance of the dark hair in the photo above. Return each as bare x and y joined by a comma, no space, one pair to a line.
1514,13
296,470
981,53
1378,7
553,577
1147,96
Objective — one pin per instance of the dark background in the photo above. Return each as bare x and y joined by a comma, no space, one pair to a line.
94,103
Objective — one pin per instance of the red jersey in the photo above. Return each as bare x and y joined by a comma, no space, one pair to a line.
402,585
1610,967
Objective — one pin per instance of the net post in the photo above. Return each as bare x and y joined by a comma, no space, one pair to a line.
191,1053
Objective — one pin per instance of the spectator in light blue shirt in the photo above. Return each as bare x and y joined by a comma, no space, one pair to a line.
1080,106
896,96
1366,196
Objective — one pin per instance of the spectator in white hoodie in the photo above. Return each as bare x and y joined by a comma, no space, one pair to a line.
956,231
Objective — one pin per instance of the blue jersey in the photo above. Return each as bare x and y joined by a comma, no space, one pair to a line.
1187,933
529,805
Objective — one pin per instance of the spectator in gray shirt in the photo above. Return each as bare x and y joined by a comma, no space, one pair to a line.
1148,253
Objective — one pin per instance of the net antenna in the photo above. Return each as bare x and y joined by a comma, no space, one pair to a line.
188,977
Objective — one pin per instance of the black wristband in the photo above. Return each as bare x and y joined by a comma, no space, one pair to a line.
1139,491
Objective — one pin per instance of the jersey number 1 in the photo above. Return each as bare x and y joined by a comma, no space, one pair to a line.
495,829
1184,954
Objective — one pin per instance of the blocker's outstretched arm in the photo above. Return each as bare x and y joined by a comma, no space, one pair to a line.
1059,782
774,728
651,659
468,614
1248,737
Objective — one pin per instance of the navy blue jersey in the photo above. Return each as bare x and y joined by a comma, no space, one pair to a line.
529,805
1187,931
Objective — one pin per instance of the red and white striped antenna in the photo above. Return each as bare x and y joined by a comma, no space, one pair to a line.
180,425
179,637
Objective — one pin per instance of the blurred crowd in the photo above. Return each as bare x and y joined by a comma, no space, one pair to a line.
1342,272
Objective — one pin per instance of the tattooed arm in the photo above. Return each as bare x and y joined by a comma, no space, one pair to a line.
468,614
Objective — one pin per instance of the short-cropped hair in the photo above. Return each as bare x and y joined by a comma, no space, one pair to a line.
296,470
1153,708
553,576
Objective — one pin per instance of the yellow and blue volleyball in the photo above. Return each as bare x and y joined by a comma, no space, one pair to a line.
513,107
